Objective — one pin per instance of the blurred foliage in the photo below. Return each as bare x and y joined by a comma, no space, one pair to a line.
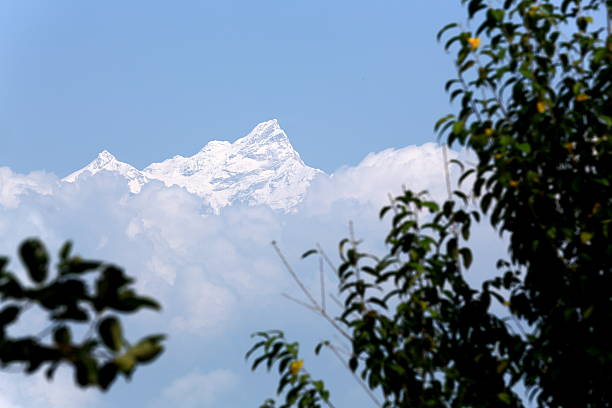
83,292
534,88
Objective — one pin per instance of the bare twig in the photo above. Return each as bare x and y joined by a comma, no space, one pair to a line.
359,380
336,300
446,172
314,304
91,328
293,275
46,331
299,302
326,258
322,283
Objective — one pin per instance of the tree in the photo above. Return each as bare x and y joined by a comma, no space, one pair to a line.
534,86
72,298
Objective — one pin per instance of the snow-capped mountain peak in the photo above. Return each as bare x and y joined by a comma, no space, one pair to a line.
106,161
104,157
261,168
263,133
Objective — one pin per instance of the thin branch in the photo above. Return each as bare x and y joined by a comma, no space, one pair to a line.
314,303
336,300
359,380
322,283
293,274
326,258
46,331
299,302
91,328
446,172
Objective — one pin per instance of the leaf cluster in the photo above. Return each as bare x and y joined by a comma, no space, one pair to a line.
69,299
298,386
420,333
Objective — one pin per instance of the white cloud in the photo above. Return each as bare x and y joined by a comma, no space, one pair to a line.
206,306
202,265
212,273
199,390
13,185
19,391
380,174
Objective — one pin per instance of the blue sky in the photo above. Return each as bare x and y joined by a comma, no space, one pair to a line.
150,79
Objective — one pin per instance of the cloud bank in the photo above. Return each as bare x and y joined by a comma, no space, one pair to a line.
216,275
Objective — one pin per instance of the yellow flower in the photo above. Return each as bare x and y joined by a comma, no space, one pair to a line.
488,131
533,10
581,97
541,106
513,183
296,366
474,42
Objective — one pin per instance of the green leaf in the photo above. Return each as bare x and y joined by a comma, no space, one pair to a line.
8,315
65,250
107,375
504,397
586,237
111,333
309,252
524,147
125,363
147,349
458,127
444,29
61,335
35,258
86,371
466,254
498,14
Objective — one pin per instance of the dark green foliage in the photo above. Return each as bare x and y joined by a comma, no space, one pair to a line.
537,111
534,88
70,298
430,340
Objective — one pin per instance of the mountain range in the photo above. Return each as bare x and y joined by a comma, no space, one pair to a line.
261,168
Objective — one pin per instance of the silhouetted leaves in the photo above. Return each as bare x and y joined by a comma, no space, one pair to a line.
67,298
35,258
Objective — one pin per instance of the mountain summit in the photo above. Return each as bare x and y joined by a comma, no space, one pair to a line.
108,162
260,168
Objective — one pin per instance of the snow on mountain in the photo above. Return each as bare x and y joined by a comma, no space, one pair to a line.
108,162
260,168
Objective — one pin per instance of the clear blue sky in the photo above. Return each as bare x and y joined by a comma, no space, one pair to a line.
150,79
